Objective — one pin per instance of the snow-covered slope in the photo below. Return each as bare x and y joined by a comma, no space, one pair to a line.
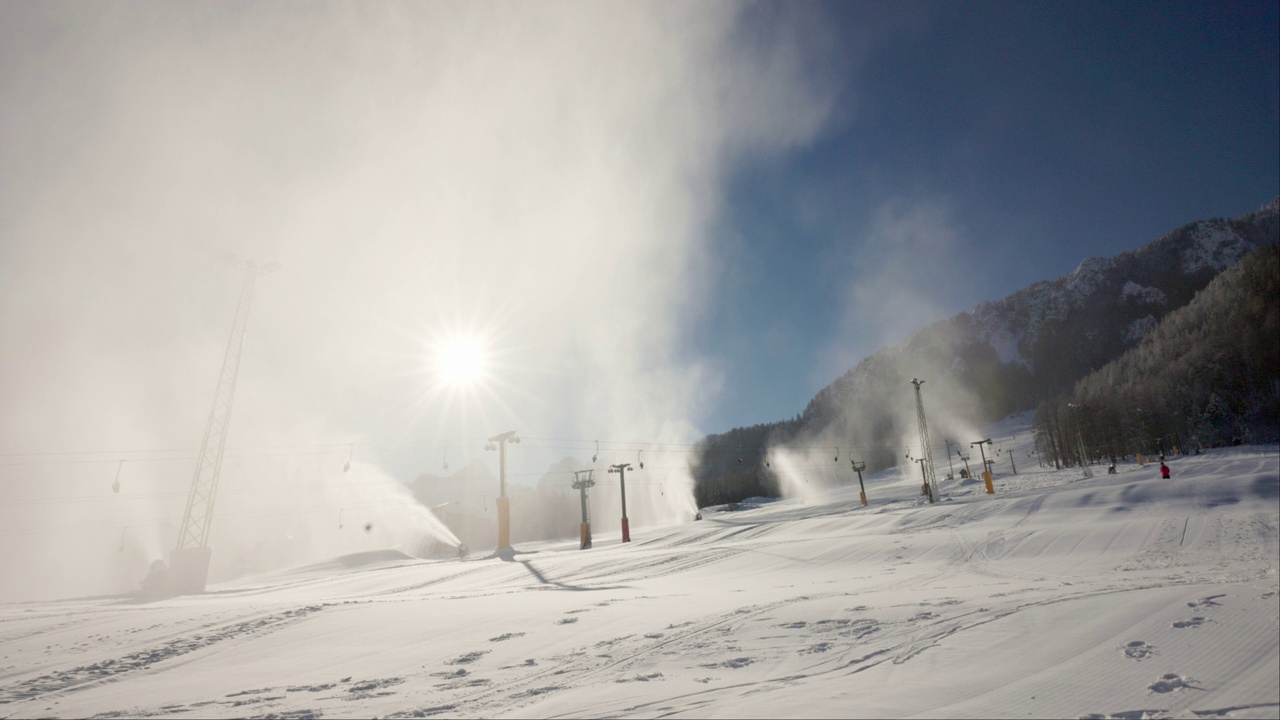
1058,596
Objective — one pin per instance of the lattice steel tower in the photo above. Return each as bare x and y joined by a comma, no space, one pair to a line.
189,563
925,454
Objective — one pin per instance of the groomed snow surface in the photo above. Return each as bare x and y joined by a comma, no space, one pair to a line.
1059,596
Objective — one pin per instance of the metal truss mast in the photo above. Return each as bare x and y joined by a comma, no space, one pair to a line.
198,517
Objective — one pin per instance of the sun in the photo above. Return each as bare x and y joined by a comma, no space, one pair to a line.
460,361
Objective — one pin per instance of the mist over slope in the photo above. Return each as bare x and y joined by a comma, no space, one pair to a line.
427,175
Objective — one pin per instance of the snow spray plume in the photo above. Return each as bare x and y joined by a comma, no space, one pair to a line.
869,415
918,254
541,175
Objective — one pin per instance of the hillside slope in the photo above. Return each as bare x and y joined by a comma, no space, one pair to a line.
1001,356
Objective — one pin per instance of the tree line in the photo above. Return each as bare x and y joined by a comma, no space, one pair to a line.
1207,375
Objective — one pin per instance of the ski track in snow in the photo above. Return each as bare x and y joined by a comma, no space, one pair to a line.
141,659
1059,596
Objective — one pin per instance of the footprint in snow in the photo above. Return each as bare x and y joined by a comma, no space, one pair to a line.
1139,650
1172,681
435,710
641,678
1196,621
259,691
535,692
1210,601
311,688
1126,715
733,664
470,657
371,685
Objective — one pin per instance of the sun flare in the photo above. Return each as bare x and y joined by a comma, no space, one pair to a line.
460,361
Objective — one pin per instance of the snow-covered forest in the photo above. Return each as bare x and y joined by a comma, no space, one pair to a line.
1207,376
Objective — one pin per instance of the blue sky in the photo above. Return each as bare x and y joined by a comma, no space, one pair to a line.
1028,136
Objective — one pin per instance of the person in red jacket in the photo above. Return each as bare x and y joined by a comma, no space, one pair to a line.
1164,471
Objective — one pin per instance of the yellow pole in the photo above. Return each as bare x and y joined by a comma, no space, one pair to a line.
504,522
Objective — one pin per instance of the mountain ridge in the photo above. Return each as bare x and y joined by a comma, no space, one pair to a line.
997,357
